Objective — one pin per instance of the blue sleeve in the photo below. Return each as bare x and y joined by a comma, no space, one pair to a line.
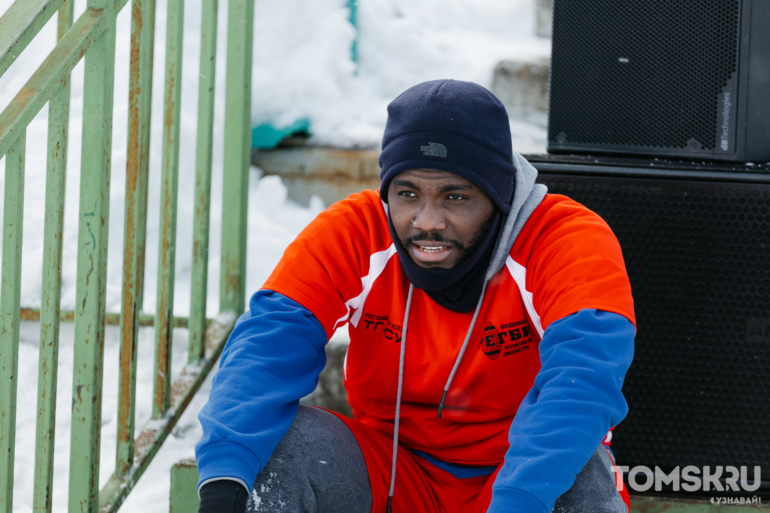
576,398
272,359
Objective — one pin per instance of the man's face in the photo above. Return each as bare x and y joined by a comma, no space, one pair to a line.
440,218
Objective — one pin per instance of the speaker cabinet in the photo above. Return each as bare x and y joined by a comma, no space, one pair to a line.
671,78
696,243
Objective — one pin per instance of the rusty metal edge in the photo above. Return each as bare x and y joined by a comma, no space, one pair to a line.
135,219
33,315
156,431
169,181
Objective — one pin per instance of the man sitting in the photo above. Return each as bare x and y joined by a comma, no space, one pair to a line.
491,326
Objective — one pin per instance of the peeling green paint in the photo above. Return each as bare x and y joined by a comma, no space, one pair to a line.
92,37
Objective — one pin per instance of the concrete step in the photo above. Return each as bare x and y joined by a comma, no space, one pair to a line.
523,89
544,10
331,173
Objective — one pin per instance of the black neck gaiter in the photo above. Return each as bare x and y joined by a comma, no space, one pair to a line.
459,288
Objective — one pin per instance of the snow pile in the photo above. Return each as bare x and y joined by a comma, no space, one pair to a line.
401,43
302,69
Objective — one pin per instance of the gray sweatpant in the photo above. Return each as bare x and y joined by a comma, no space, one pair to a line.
318,468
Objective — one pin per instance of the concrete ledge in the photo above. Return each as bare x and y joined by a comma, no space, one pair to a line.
544,9
331,173
523,89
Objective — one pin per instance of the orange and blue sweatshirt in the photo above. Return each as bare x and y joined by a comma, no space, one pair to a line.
538,387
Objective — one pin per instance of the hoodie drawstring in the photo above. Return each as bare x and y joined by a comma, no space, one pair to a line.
398,398
462,349
401,380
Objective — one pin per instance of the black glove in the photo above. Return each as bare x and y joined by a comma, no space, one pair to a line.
223,496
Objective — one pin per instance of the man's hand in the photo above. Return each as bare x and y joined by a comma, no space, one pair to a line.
223,497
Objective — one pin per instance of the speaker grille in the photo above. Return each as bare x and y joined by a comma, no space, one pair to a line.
641,73
698,257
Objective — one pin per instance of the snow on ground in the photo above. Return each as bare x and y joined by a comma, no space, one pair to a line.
301,68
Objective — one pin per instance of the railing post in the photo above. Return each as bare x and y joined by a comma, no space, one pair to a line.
137,164
164,310
64,19
13,214
200,257
240,26
93,225
58,121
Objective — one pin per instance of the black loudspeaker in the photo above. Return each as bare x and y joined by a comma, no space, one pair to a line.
696,243
671,78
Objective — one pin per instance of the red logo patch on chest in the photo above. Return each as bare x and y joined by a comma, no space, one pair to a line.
512,338
490,343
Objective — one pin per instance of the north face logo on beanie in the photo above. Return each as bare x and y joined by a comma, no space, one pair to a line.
434,150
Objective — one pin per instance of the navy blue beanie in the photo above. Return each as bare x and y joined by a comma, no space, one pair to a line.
454,126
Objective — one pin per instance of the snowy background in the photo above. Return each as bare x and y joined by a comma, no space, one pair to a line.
302,68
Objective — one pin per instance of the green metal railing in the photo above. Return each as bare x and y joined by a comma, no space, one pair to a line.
92,37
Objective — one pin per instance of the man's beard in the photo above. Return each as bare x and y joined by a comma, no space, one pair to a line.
465,250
